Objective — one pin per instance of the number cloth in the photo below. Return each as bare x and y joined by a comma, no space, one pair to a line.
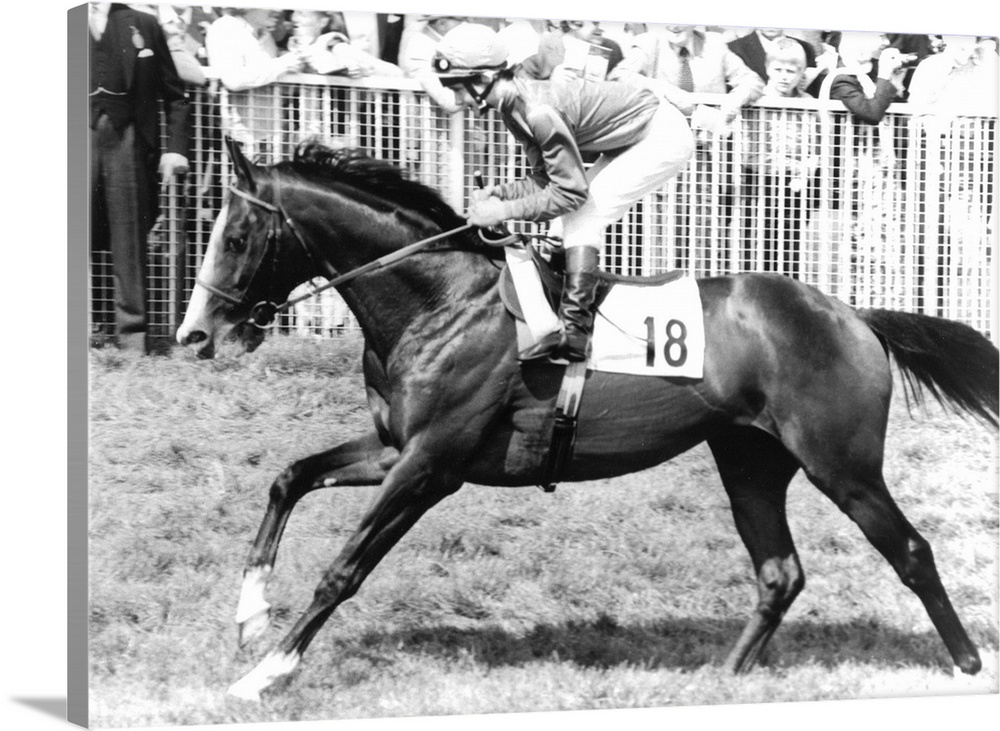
651,331
642,330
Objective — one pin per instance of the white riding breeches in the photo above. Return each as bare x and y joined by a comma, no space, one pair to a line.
616,183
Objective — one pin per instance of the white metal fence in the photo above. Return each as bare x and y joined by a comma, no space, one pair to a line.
896,215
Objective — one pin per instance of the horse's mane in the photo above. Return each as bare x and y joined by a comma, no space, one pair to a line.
376,177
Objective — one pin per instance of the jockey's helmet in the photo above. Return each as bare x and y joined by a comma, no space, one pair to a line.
470,47
472,55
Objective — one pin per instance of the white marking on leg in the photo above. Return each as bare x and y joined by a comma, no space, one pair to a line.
271,668
252,600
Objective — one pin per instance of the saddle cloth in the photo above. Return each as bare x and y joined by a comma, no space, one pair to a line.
651,327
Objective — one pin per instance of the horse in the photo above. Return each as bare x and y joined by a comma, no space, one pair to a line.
793,379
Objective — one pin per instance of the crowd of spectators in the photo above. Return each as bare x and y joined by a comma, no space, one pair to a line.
871,70
239,54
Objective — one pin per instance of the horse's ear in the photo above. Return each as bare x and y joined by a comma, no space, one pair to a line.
244,168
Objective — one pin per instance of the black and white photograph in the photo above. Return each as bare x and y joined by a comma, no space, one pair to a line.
719,298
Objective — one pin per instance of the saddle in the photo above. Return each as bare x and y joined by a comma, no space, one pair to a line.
550,273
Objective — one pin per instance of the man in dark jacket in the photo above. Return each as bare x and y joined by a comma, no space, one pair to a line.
131,71
879,78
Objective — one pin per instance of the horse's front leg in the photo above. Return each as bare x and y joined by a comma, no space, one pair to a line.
411,488
364,461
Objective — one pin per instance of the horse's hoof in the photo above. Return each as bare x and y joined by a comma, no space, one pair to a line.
970,665
241,690
272,667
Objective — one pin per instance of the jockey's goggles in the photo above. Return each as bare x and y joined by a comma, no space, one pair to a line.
451,75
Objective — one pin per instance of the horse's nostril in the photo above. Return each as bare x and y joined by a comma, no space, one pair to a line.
190,338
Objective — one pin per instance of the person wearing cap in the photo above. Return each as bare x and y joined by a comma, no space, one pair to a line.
642,143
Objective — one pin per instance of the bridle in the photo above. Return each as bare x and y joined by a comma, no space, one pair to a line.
263,314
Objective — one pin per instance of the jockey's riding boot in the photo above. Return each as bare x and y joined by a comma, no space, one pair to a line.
546,348
572,340
576,309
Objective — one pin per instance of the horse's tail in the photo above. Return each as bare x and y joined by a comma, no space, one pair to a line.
956,363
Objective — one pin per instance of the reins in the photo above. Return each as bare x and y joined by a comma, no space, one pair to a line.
363,269
263,314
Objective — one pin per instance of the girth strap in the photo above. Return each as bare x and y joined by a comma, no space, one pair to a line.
564,427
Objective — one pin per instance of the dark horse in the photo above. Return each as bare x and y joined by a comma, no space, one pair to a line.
793,380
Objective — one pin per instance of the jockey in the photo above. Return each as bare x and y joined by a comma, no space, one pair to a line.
642,141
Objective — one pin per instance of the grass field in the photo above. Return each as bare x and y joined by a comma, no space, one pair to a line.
605,594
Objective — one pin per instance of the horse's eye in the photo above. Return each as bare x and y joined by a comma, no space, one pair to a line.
236,244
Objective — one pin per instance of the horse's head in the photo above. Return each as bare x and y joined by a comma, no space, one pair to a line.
237,282
326,212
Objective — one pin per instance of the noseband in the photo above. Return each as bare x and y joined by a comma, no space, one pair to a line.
262,315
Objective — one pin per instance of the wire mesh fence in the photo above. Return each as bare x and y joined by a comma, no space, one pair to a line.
898,215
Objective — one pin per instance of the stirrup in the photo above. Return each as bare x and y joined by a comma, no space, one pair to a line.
548,348
575,354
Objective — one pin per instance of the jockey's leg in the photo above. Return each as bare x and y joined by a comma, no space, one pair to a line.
576,309
615,184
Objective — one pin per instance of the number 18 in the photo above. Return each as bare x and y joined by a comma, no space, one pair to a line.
676,332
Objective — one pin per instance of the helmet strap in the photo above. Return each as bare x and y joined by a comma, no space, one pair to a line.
480,96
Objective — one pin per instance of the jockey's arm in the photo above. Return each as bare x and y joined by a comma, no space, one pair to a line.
557,181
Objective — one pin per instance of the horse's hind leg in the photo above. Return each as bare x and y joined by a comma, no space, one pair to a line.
841,450
410,490
864,497
756,469
364,461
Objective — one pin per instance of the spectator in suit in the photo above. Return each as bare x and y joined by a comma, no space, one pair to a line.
877,80
867,76
190,23
390,27
876,72
678,61
183,47
132,71
552,50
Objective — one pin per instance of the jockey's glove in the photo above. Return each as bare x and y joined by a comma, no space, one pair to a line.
488,212
481,194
